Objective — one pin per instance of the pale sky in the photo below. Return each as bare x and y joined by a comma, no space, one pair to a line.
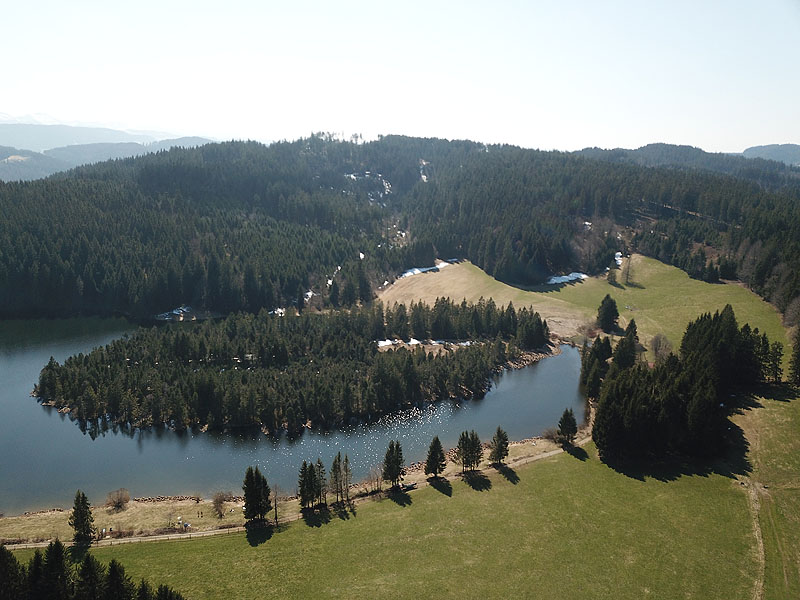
721,75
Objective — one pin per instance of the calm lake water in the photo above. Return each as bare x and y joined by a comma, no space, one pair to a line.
46,457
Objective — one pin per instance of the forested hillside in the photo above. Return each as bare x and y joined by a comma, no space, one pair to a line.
320,369
243,226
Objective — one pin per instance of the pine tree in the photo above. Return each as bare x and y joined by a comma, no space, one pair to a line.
118,584
301,484
55,574
250,494
320,483
476,449
631,330
13,583
498,449
435,463
625,352
794,361
257,502
336,475
348,477
82,521
264,502
593,382
306,485
468,451
607,314
144,591
91,581
567,426
393,463
462,451
35,576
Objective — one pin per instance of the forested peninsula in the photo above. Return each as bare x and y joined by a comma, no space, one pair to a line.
241,226
317,370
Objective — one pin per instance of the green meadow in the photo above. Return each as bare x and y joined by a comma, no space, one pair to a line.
661,298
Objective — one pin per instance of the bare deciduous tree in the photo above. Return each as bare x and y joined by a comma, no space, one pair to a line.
118,499
218,501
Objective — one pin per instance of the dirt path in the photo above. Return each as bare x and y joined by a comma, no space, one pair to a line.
754,504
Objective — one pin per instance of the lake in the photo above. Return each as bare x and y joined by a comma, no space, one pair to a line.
46,456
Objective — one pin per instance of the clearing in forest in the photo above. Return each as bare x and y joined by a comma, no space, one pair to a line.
661,298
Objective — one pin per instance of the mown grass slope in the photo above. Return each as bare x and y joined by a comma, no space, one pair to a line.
569,527
662,299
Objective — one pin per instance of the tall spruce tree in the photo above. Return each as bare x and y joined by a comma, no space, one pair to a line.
435,462
393,463
468,451
306,485
498,447
257,502
476,449
82,521
250,494
320,483
13,583
264,502
91,581
55,572
118,584
794,361
336,476
607,314
348,477
567,426
35,576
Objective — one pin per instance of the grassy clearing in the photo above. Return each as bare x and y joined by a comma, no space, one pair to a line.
565,526
661,298
772,430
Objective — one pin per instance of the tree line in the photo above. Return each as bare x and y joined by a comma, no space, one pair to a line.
679,405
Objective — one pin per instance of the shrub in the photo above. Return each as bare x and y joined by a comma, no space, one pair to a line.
118,499
218,501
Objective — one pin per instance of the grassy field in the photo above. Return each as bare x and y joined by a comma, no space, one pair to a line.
661,298
566,526
772,430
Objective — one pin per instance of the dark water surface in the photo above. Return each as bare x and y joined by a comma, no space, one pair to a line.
44,457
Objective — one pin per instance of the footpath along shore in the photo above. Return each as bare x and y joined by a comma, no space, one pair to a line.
520,453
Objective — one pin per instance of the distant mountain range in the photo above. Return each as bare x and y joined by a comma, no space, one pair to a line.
787,153
32,151
37,137
769,173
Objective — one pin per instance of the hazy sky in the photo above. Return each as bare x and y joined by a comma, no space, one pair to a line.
722,75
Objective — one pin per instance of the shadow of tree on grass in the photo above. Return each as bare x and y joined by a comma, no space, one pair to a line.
576,451
399,497
507,472
316,517
441,485
258,532
343,510
731,461
477,481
